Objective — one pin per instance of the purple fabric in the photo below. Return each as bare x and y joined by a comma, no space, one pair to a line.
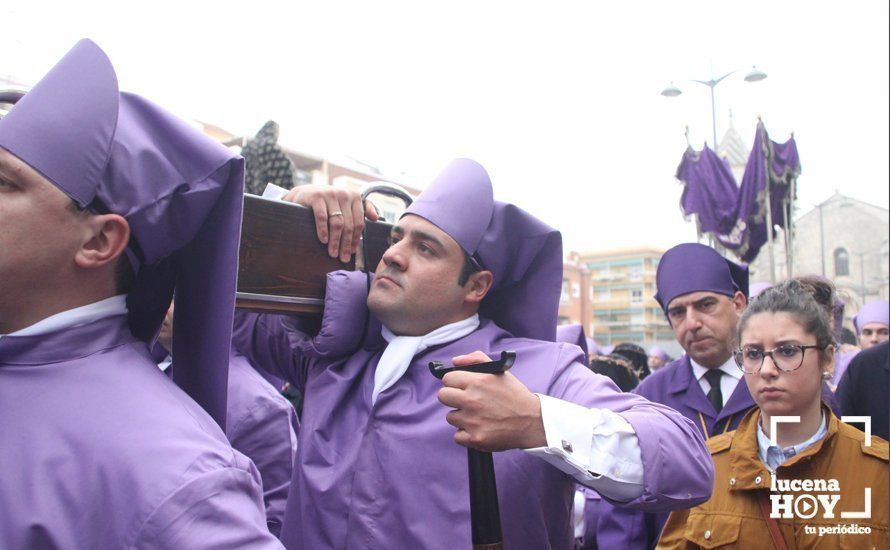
736,214
693,267
108,453
180,192
592,501
263,425
523,253
390,475
709,190
656,351
574,334
606,350
875,311
778,163
459,201
842,360
757,288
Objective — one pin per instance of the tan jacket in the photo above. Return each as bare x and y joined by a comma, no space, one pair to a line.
733,519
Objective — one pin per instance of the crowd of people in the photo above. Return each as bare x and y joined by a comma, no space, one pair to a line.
125,429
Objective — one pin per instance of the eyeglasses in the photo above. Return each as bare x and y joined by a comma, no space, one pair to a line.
787,357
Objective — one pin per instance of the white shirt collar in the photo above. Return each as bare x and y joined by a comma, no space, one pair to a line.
116,305
774,456
400,351
729,368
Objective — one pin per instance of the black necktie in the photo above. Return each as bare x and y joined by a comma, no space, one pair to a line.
715,396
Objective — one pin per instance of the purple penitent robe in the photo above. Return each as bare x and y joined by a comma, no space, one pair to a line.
262,424
389,475
100,450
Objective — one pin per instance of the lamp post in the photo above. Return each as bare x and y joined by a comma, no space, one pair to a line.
754,75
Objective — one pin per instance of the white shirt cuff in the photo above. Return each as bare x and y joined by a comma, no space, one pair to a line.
597,447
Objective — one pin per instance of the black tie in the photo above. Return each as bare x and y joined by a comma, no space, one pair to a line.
715,396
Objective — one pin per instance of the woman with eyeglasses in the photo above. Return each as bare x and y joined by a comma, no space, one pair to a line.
792,472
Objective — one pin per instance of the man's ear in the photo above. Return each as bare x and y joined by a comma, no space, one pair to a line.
105,239
477,286
740,301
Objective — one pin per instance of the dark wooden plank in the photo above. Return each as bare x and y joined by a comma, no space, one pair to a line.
281,258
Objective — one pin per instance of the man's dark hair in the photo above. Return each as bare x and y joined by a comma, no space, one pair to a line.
468,269
124,277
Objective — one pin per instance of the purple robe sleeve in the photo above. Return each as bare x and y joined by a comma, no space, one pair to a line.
283,346
262,425
678,472
219,509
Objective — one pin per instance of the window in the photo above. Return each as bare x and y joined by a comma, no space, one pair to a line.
841,262
636,296
564,295
576,290
604,295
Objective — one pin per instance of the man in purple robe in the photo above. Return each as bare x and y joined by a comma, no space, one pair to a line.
378,466
872,323
107,203
702,295
657,358
260,423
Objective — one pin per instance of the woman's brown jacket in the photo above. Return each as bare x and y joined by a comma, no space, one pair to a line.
733,517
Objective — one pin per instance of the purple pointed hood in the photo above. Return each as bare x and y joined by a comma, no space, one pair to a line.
523,253
656,351
693,267
574,334
179,191
757,288
875,311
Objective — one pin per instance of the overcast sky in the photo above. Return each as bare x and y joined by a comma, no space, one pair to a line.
558,100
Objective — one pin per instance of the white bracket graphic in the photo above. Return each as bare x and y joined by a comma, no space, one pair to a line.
774,421
863,420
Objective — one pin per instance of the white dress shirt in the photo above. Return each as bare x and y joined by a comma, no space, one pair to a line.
728,382
597,447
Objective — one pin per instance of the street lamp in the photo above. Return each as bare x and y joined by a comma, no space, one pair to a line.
754,75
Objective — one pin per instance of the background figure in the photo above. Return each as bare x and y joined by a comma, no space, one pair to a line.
872,323
260,423
618,368
786,343
702,295
637,357
657,358
865,388
266,161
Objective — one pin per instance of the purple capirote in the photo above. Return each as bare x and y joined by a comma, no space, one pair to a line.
875,311
656,351
694,267
757,288
523,253
180,192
